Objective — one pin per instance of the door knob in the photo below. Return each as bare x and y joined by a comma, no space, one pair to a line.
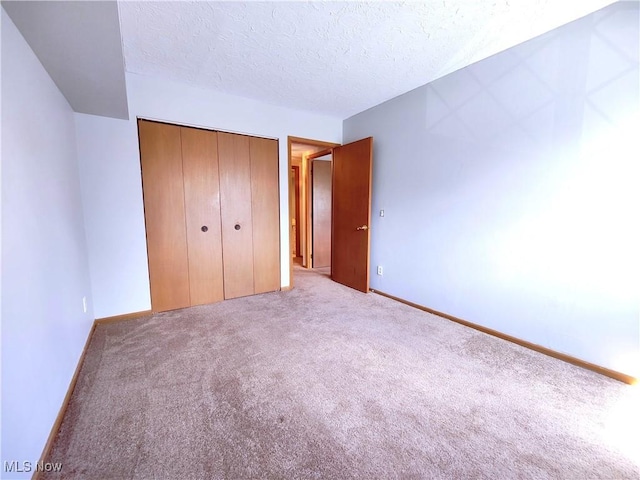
363,227
204,228
237,227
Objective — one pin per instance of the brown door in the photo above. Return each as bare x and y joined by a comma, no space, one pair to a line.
235,205
296,208
351,207
265,206
321,213
202,200
162,185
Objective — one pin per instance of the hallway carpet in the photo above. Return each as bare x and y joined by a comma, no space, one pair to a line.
324,382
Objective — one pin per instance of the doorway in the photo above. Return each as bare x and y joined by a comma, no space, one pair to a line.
350,193
300,199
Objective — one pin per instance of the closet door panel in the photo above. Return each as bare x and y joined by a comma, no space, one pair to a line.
265,204
235,205
162,186
202,199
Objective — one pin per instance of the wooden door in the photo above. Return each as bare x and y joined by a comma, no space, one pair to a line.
202,200
321,213
265,206
296,208
235,207
163,190
351,207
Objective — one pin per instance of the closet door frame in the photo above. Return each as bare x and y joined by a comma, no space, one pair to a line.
268,285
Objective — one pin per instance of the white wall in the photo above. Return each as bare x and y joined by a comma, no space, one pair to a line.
44,263
114,215
510,191
112,189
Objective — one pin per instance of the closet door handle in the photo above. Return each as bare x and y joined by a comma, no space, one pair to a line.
237,227
204,228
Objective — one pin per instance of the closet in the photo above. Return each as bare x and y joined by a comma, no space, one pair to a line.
211,212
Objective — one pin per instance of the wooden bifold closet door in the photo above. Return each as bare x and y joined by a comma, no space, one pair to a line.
266,218
237,225
202,209
211,212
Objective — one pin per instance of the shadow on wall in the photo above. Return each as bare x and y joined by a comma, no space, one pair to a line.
518,176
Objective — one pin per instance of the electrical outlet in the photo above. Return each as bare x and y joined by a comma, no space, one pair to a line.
382,213
379,269
84,304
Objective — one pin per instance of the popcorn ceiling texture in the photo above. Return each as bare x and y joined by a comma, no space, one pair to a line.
336,58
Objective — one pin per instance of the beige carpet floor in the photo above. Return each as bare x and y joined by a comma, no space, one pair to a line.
324,382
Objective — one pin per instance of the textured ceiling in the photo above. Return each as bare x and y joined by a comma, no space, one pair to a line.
337,58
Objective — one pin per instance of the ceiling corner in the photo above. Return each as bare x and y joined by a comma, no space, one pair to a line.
80,46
